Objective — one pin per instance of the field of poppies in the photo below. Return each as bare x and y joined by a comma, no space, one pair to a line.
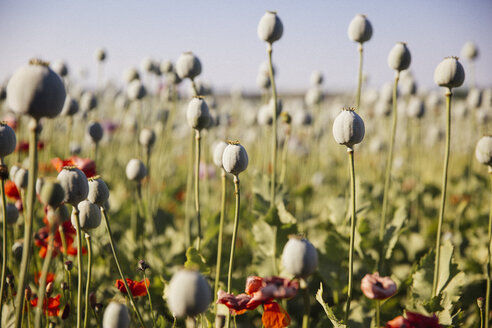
163,204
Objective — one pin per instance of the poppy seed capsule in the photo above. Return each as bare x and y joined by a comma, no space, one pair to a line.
360,29
52,193
131,74
88,102
135,170
270,27
449,73
116,315
234,158
95,132
483,151
60,68
147,137
75,184
8,140
469,50
100,54
98,191
36,90
299,257
218,152
166,66
399,57
197,114
13,170
89,215
21,178
188,294
188,66
136,90
348,128
316,78
70,107
12,214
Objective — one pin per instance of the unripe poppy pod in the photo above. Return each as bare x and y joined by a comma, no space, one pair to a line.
21,178
88,102
449,73
263,81
36,90
188,66
60,68
483,151
147,64
474,98
98,191
89,215
218,151
299,257
70,107
130,74
234,158
116,315
469,50
8,140
13,170
135,170
197,114
348,128
188,294
270,27
316,78
100,54
75,184
399,57
136,90
360,29
12,214
95,132
52,193
166,66
416,107
314,96
147,137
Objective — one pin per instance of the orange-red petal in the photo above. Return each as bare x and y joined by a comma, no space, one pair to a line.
274,316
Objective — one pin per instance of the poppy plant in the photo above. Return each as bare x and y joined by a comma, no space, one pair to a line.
42,239
137,287
51,306
376,287
86,165
414,320
50,277
11,190
262,291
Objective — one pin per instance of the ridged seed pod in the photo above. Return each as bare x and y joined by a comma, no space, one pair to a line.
270,27
416,108
21,178
116,315
8,140
70,107
399,57
135,170
12,214
469,50
98,191
95,132
316,78
75,184
218,151
147,137
263,81
36,90
483,151
449,73
188,66
60,68
89,215
131,74
299,257
136,90
52,193
166,66
88,102
100,54
234,158
198,115
148,64
348,128
188,294
360,29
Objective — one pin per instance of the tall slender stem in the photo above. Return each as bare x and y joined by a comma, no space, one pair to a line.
359,78
352,234
305,317
489,259
26,251
197,188
274,128
283,170
189,182
378,313
233,244
221,232
80,267
4,240
443,194
150,299
89,273
115,255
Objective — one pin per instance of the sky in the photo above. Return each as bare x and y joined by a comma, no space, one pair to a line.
223,35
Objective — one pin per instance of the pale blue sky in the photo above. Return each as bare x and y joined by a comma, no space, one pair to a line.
223,35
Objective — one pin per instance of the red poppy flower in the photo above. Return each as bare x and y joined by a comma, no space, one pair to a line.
414,320
376,287
50,277
86,165
137,287
50,306
11,190
23,146
42,239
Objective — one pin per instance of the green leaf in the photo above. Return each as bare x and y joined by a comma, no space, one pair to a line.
328,310
161,322
264,236
195,261
284,215
422,279
393,231
272,217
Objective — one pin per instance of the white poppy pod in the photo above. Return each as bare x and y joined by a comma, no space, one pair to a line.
12,214
136,90
399,57
449,73
360,29
135,170
8,140
13,170
314,96
416,108
218,151
173,78
198,115
264,69
70,107
188,294
386,93
270,27
40,181
17,249
95,132
100,54
88,102
271,105
348,128
382,108
130,74
263,81
483,151
474,98
302,118
116,315
469,50
265,116
483,115
89,215
166,66
316,78
407,85
188,66
60,68
299,257
75,184
21,178
36,90
147,64
52,193
234,158
147,137
98,191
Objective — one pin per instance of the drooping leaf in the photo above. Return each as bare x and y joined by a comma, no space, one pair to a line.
393,231
328,310
195,260
284,215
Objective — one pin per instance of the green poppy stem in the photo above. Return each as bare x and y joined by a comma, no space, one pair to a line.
489,259
150,299
274,128
359,77
80,267
197,188
305,317
221,233
88,283
4,242
350,152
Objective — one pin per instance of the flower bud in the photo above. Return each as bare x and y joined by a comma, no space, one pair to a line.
68,265
61,214
95,132
49,288
483,151
136,90
135,170
218,151
75,184
360,29
469,50
377,288
399,57
147,137
66,311
299,257
92,299
270,27
188,66
188,294
449,73
100,54
98,191
17,248
88,102
8,140
197,114
12,214
89,215
52,193
234,158
21,178
36,90
348,128
142,265
116,315
64,286
60,68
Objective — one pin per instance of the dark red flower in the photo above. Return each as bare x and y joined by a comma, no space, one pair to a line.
42,239
86,165
23,146
414,320
137,287
11,190
50,306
